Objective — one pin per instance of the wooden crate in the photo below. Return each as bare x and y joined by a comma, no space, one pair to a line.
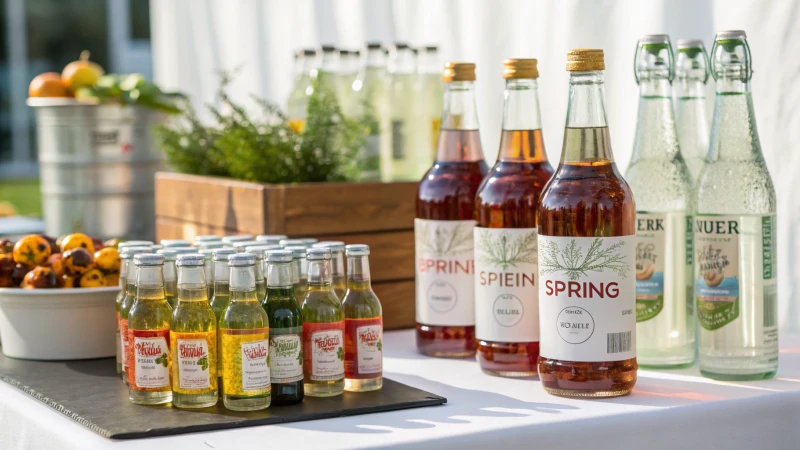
380,215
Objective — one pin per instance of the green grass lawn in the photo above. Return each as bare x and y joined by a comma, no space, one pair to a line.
24,195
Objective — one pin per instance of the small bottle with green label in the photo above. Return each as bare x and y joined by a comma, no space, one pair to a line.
323,330
337,265
665,202
299,270
735,230
126,302
244,349
285,330
170,274
222,293
193,339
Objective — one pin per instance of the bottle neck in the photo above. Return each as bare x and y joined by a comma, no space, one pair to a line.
358,272
460,111
586,137
349,64
149,276
429,63
259,269
402,62
329,62
170,271
243,283
376,58
192,284
279,275
309,66
319,273
123,272
222,273
521,140
689,88
734,135
656,136
337,264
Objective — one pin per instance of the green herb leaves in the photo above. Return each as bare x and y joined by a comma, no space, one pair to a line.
571,261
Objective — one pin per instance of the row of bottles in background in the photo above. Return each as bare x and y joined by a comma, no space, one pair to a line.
399,91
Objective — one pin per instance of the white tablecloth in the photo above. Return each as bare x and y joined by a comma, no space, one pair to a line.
668,409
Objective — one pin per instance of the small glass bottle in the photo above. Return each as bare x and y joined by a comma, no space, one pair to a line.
329,67
691,122
735,230
208,268
126,303
193,339
229,240
371,93
303,88
363,325
170,275
337,265
222,294
244,328
148,335
348,72
172,243
123,273
429,91
285,330
299,270
402,106
261,285
270,239
323,330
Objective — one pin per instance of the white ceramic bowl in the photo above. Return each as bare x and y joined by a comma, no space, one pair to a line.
58,324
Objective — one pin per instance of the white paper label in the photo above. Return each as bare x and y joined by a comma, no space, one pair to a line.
193,364
587,295
327,355
152,356
286,357
506,295
255,368
370,349
445,272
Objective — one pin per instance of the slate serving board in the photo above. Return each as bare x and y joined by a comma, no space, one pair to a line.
90,393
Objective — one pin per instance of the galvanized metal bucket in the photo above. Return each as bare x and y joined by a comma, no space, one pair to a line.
97,164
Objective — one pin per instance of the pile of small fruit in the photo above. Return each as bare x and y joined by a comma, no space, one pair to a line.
42,262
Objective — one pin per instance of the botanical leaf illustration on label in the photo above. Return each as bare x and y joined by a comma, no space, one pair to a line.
574,264
505,251
444,241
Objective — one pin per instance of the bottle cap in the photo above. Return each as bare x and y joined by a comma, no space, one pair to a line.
271,238
374,45
308,51
357,250
222,254
169,254
318,254
520,68
431,48
278,256
653,58
207,238
167,243
259,250
241,260
689,43
134,244
458,71
730,34
334,246
241,245
298,251
129,252
237,238
585,59
148,259
293,242
730,56
691,60
191,260
184,250
210,244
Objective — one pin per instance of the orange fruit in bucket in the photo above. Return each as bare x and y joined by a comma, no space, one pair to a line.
47,84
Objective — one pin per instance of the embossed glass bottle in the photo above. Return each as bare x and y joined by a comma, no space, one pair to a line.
443,229
665,202
506,292
691,74
587,242
193,339
337,265
222,295
363,325
735,231
127,301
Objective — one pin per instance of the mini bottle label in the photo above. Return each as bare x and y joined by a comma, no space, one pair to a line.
123,338
324,345
587,297
445,272
245,361
363,348
149,350
650,255
286,354
506,293
196,361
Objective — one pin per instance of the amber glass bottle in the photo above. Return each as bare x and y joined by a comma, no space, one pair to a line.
587,242
443,229
506,292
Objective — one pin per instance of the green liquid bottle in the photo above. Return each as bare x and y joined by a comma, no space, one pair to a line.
323,330
691,74
149,352
339,280
193,339
299,270
735,231
665,202
127,301
170,273
285,330
244,331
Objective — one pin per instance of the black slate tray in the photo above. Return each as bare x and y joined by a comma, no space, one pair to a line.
90,393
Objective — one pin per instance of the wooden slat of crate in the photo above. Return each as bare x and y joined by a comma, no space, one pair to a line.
397,300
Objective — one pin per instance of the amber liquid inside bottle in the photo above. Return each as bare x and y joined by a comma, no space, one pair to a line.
587,197
511,200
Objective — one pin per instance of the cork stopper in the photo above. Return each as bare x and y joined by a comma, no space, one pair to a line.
520,68
457,71
585,59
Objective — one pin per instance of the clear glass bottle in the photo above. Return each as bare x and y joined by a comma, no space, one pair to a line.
429,92
244,328
349,62
665,201
735,231
363,325
126,302
299,270
222,294
170,275
285,330
691,74
125,259
443,228
149,356
323,330
506,294
261,284
270,239
208,268
587,257
193,339
372,102
329,67
302,89
404,152
337,265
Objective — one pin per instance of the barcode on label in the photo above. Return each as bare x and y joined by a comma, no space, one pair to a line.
770,306
618,342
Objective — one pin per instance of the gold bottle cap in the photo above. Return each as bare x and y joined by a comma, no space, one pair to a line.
458,71
520,68
585,59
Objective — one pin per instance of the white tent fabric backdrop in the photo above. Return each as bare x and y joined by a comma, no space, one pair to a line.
193,39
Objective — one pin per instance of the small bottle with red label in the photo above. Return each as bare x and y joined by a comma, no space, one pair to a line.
148,335
363,325
323,330
126,301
